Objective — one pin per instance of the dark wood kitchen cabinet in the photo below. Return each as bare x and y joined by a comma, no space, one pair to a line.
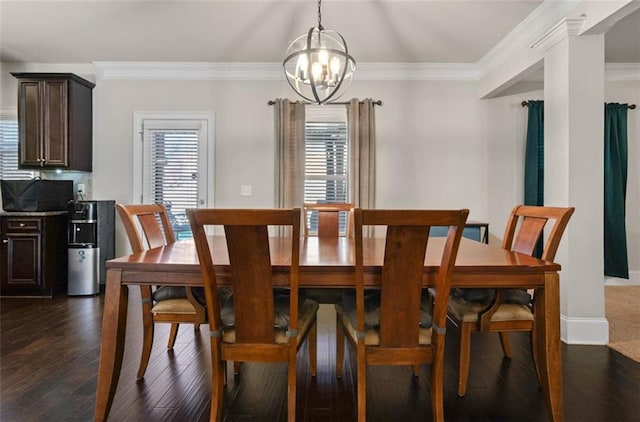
33,255
54,121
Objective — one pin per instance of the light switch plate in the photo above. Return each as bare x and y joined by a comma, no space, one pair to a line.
245,190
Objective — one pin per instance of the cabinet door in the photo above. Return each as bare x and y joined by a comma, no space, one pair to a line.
30,124
55,118
22,252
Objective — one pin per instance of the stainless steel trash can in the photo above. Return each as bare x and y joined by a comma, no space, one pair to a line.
83,270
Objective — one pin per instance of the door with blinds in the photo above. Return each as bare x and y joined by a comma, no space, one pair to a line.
174,167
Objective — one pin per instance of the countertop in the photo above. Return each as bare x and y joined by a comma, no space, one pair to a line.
31,213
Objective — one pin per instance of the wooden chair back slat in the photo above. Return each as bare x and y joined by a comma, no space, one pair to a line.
152,230
402,285
528,235
328,219
252,283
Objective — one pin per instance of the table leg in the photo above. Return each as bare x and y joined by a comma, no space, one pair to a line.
112,344
547,343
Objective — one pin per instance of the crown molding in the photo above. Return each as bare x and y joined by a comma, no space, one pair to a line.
273,71
364,71
416,72
622,72
521,37
189,71
563,29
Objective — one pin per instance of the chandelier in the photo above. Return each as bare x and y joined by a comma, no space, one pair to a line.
318,66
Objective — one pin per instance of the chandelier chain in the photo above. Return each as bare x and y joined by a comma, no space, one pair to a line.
319,16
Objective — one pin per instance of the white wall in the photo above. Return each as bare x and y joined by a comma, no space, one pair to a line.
438,145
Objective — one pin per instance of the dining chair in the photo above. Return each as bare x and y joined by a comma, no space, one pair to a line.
504,310
405,329
265,324
147,227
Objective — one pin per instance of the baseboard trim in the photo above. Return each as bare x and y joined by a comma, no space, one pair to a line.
594,331
634,280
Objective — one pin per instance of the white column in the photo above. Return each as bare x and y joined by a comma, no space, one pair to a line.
573,131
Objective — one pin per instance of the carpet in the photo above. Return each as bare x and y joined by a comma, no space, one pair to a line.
622,309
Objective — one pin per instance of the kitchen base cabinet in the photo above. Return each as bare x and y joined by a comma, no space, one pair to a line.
33,258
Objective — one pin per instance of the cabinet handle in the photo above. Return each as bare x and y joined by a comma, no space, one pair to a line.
21,224
5,240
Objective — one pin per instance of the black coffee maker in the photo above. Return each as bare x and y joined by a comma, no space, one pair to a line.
91,243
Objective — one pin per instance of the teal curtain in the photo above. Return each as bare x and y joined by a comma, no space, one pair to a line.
615,190
534,155
534,160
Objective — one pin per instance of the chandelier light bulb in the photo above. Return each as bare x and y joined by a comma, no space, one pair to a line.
335,65
323,57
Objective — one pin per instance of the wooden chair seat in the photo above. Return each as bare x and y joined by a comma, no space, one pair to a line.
306,318
372,333
173,306
372,308
465,311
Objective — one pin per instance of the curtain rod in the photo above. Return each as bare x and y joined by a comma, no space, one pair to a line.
526,104
376,102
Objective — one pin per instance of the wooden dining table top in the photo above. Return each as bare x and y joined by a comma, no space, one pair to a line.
334,258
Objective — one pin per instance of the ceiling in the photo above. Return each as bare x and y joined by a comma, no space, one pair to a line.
377,31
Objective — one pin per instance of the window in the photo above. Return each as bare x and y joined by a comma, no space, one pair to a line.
173,166
9,151
326,159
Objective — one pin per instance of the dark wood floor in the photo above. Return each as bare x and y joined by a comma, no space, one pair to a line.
49,353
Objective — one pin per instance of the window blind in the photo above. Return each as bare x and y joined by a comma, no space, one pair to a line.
9,152
171,170
326,167
326,162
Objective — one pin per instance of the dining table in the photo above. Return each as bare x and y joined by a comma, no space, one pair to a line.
330,263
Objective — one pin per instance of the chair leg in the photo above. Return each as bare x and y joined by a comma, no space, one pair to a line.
236,367
465,357
340,339
362,381
437,381
534,341
416,370
172,335
506,346
291,385
217,383
147,343
312,344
